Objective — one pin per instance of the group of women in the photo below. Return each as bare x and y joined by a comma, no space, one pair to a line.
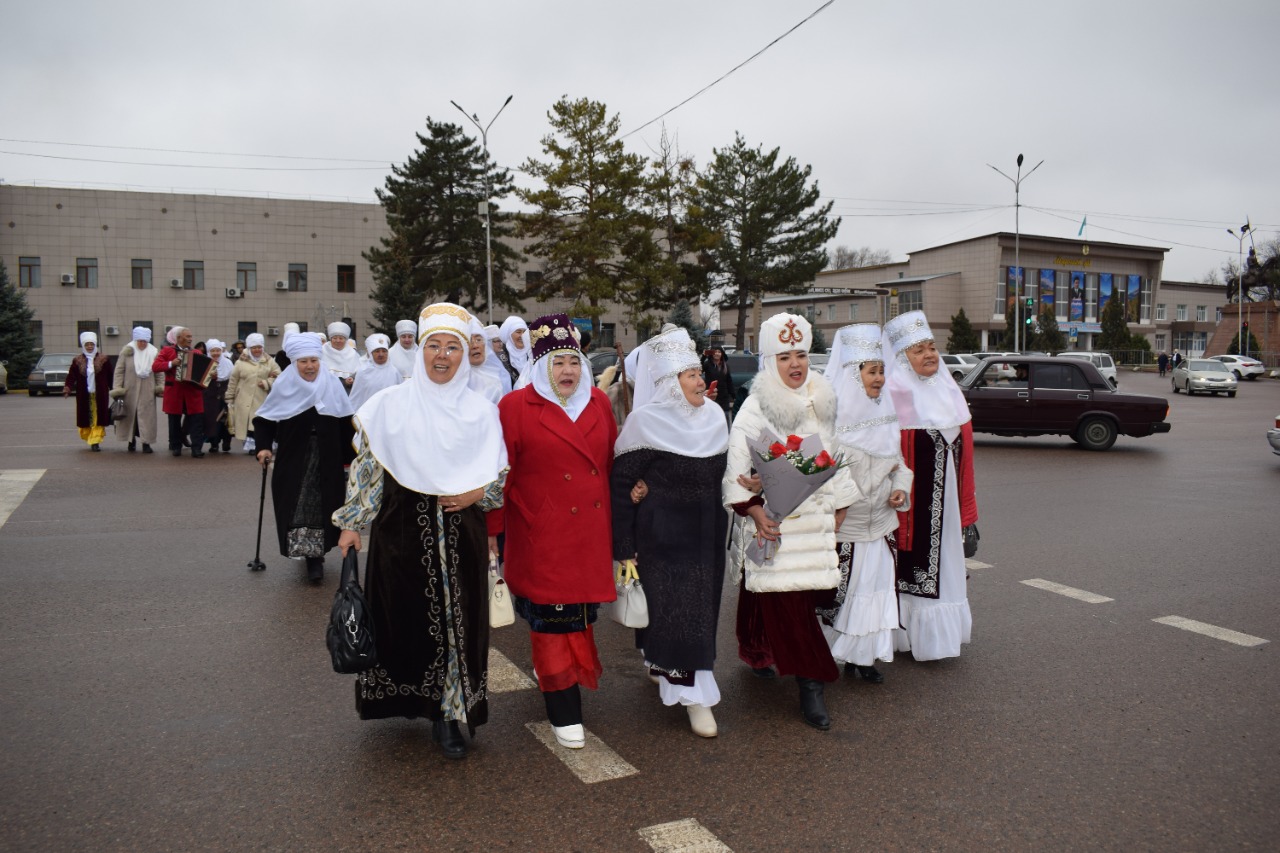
445,481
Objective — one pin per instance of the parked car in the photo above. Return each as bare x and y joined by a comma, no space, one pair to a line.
1204,374
1005,370
818,361
960,365
1054,396
4,378
49,374
1242,366
1101,360
601,360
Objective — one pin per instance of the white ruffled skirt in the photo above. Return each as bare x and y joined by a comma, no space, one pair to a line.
863,630
704,691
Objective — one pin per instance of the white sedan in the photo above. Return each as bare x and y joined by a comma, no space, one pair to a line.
1242,366
1204,374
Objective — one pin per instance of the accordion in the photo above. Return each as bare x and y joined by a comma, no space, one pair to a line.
196,368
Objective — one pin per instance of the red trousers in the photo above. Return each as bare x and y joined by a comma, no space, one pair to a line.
563,660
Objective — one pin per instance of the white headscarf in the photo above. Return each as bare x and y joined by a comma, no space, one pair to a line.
225,365
519,358
143,356
373,377
490,376
289,329
923,402
402,359
291,395
436,439
869,424
172,335
663,419
86,337
343,362
539,374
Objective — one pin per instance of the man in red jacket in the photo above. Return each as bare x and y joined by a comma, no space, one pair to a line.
180,398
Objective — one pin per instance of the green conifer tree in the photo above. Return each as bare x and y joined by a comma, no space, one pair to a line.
963,337
17,343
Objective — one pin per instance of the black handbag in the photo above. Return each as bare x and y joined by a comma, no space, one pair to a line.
350,635
971,538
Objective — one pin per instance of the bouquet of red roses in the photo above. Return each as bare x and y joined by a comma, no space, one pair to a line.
790,473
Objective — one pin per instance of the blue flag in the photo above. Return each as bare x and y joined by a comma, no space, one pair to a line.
1083,223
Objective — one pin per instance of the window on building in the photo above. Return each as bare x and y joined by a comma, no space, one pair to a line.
298,278
86,272
1181,313
1144,314
1202,313
88,326
1161,312
831,311
140,274
245,328
28,272
1218,314
853,312
355,335
302,325
532,279
910,300
1160,342
1062,295
146,324
809,311
1002,295
36,327
346,278
193,275
246,278
608,335
1091,297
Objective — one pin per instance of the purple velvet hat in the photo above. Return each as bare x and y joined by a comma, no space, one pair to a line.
554,333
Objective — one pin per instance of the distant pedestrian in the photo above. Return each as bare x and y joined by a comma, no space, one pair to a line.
215,399
181,398
282,357
89,378
139,386
1163,362
247,388
1177,359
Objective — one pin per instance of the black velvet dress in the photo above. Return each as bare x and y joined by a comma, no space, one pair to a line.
677,534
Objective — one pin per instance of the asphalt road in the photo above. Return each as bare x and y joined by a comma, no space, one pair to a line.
158,696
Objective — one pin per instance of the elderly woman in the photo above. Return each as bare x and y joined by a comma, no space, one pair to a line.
937,444
487,376
777,621
215,399
340,356
676,444
139,387
559,434
183,401
404,354
308,415
862,618
250,381
377,373
432,460
515,348
89,378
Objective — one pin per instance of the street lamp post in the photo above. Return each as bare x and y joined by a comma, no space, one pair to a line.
1244,232
484,205
1017,238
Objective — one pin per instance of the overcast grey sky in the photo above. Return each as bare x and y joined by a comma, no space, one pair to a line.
1157,120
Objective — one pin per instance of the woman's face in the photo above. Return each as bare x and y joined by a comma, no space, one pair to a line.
517,339
566,372
496,344
256,350
406,340
215,353
338,341
442,356
693,386
872,377
923,358
308,367
793,367
89,346
717,356
476,352
380,356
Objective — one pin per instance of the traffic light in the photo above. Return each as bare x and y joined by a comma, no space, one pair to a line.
1245,325
1029,315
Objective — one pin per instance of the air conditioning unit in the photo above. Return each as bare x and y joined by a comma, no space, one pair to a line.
273,331
175,282
282,285
234,293
68,278
112,331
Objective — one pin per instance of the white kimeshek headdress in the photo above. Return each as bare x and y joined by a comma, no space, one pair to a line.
923,402
291,395
869,424
663,419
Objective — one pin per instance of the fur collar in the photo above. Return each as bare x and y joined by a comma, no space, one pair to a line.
786,409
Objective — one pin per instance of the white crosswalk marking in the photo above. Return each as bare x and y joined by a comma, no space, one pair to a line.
1225,634
976,564
595,762
1068,591
14,486
682,836
504,676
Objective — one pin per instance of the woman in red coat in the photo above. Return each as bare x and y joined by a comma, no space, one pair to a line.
89,378
559,431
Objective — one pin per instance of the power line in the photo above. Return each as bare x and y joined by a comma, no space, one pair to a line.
189,151
199,166
811,16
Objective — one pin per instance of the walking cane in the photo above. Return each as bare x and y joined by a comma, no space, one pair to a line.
256,565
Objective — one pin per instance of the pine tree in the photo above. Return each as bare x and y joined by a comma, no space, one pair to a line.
819,341
1250,341
436,250
680,272
770,230
590,227
963,338
17,343
1048,337
1115,332
682,316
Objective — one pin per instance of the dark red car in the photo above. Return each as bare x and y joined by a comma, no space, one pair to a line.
1058,396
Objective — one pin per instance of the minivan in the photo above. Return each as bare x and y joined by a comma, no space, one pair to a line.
1100,360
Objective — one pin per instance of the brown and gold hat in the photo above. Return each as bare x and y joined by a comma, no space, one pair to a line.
554,333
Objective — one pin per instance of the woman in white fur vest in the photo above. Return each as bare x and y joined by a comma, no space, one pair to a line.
777,620
864,614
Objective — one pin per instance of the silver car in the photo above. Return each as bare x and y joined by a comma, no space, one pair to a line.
1204,374
960,364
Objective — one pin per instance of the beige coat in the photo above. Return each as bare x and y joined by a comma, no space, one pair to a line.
245,391
139,399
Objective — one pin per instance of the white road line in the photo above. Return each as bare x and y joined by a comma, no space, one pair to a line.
595,762
1214,631
504,676
14,486
1068,591
682,836
976,564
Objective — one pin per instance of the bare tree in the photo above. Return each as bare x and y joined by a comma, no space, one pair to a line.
844,258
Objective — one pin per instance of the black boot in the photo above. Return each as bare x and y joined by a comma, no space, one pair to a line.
146,448
868,673
449,736
564,707
811,704
315,569
133,446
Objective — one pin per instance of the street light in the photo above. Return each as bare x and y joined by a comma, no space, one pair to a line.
484,205
1245,230
1017,234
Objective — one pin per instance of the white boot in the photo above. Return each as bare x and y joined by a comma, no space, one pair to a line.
702,721
570,737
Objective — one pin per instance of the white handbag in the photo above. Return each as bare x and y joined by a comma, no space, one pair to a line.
631,609
501,613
